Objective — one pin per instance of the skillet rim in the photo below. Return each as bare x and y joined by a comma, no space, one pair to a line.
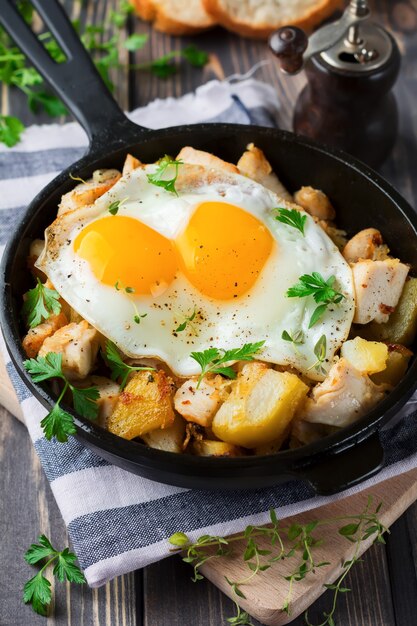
135,452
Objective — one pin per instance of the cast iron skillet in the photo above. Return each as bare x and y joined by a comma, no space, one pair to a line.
361,197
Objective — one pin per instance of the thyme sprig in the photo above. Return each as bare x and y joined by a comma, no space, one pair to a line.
294,542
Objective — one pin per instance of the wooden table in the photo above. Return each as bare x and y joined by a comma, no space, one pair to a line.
384,585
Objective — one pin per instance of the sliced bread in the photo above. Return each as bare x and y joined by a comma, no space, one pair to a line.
259,18
176,17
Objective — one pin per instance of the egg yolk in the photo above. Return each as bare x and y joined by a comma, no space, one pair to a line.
223,250
122,249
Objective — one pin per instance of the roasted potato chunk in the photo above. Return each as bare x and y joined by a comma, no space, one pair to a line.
144,405
260,407
396,368
368,357
169,439
401,328
206,447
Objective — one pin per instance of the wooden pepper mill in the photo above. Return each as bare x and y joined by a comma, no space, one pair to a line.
351,67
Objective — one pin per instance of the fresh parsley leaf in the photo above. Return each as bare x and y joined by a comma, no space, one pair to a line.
48,102
322,291
37,552
85,401
119,17
45,367
165,167
194,56
40,303
214,360
296,338
292,217
10,130
66,569
119,369
135,42
37,590
59,423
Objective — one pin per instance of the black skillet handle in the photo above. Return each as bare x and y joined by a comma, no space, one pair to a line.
347,468
76,81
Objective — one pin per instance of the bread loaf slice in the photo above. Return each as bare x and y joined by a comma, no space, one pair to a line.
176,17
259,18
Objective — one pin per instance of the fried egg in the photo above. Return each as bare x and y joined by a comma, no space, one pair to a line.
170,274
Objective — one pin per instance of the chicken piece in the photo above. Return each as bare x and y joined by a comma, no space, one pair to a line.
256,166
378,287
87,193
169,439
315,202
367,244
199,157
78,344
131,163
198,405
342,398
35,337
109,393
144,405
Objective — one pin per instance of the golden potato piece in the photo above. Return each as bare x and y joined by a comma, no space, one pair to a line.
396,368
260,407
273,446
144,405
401,327
206,447
368,357
169,439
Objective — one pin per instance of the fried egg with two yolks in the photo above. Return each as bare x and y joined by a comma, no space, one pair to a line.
171,274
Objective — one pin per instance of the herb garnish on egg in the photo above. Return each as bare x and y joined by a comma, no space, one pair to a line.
296,338
188,320
58,423
320,350
322,291
163,166
214,359
115,206
40,303
292,217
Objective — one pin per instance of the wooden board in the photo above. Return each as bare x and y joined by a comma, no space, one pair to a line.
266,593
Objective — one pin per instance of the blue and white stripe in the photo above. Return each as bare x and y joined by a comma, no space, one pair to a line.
119,522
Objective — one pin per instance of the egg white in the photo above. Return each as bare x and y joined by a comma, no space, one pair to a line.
262,314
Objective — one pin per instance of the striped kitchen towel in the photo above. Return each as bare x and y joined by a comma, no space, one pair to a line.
119,522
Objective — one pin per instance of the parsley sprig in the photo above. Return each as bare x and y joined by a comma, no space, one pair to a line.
322,291
11,129
296,542
119,369
40,303
292,217
160,178
37,590
59,423
215,360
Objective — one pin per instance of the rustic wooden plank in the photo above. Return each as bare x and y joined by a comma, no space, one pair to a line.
27,509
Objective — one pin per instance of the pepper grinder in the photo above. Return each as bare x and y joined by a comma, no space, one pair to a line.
351,67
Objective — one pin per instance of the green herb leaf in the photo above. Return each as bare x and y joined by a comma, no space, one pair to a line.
212,359
179,539
59,424
194,56
349,530
66,569
40,303
52,105
292,217
119,369
320,348
296,338
135,42
161,178
188,319
37,592
45,367
114,207
321,290
11,129
85,401
37,552
119,17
